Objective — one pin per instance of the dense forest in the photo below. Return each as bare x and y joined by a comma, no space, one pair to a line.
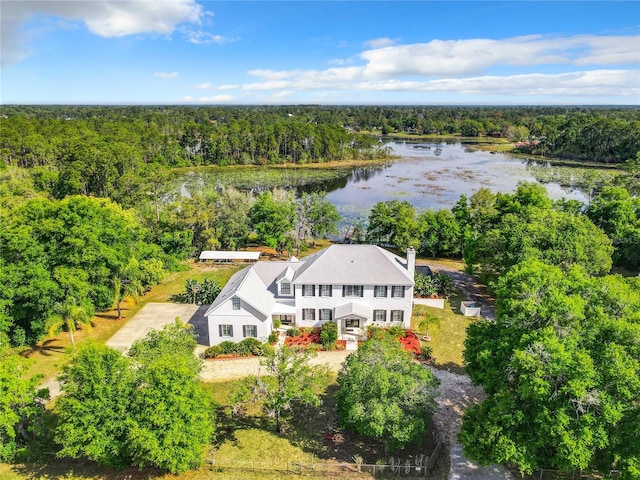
87,218
123,137
87,212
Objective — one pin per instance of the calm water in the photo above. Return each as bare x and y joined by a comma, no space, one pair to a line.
434,175
427,175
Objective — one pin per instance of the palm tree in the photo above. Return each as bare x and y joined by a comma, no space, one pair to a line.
70,315
429,321
125,289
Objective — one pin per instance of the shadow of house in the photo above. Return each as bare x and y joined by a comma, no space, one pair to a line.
200,327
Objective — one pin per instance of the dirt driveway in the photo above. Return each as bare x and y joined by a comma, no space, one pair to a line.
233,369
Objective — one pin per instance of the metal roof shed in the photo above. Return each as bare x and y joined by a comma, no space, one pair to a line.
229,256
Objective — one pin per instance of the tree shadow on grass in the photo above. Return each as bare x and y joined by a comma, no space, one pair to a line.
109,316
448,366
227,425
46,348
71,468
317,431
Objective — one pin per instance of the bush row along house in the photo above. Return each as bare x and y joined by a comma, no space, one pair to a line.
353,285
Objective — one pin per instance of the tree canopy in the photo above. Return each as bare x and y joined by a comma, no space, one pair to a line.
59,259
21,405
561,370
148,409
383,394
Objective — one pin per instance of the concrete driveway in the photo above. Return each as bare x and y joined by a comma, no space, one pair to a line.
154,316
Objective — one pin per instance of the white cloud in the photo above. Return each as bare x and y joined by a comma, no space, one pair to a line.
217,99
380,42
443,58
211,86
461,66
583,84
200,37
166,75
106,18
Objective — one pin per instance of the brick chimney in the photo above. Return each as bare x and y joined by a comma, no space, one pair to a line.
411,261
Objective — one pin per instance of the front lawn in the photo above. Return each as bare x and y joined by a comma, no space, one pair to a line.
447,340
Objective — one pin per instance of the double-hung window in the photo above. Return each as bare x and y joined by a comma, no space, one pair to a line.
325,314
308,314
352,290
380,291
285,288
397,291
324,290
250,331
397,315
308,290
225,330
235,303
379,315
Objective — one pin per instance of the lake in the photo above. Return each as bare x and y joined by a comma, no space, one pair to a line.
427,175
434,175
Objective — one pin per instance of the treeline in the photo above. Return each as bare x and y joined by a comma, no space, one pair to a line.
215,135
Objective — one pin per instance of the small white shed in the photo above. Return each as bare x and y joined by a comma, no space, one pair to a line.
470,309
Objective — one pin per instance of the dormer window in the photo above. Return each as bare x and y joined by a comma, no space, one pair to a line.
285,288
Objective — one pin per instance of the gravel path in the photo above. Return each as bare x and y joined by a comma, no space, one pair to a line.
232,369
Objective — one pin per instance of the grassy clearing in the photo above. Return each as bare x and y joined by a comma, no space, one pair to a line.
274,176
447,340
49,354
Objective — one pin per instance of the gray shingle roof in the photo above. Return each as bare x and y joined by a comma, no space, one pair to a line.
354,264
337,264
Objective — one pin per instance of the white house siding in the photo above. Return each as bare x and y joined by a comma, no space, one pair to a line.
247,315
316,302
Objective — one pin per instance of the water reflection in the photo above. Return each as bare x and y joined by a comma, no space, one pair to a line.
426,174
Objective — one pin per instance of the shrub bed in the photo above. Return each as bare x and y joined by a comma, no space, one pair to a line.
246,348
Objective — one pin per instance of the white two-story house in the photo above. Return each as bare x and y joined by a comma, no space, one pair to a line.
352,285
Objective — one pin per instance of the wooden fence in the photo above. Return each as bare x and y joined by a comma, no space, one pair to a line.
417,468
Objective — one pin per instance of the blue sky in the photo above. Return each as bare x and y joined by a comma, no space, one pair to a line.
347,52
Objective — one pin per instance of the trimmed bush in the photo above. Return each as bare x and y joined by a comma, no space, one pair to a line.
293,332
212,352
228,347
250,346
329,334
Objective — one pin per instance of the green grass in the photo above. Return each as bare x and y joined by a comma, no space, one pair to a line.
48,355
447,340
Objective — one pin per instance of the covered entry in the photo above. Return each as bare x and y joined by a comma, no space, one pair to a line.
352,319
